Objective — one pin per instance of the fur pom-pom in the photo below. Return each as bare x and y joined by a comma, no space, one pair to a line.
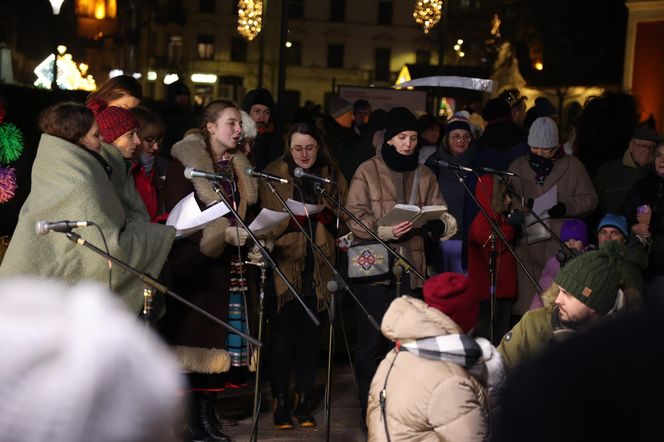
97,105
11,143
7,183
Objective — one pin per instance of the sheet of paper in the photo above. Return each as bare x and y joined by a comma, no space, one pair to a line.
187,217
544,202
298,208
266,220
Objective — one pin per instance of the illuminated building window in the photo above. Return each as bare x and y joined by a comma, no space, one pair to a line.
174,49
335,56
205,47
385,12
238,49
99,9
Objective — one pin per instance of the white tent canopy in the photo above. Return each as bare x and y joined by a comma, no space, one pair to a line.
476,84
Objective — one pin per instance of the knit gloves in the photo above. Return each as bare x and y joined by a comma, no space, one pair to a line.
450,226
558,211
236,236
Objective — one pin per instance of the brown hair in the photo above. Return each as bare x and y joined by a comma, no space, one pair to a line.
307,129
67,120
150,125
117,87
211,113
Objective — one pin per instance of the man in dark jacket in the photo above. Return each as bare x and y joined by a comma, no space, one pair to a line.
268,145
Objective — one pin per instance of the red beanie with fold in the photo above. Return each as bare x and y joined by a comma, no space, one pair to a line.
456,296
113,121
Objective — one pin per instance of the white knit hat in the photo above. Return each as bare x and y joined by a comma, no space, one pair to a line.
543,133
76,366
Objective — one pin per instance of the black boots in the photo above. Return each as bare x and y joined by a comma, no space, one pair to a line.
203,425
208,420
303,410
282,412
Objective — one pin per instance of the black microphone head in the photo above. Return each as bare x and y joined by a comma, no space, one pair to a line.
298,172
41,227
248,171
188,172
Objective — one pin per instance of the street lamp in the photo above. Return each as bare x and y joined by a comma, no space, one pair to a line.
55,5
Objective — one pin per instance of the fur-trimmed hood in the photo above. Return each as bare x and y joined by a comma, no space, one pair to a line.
190,151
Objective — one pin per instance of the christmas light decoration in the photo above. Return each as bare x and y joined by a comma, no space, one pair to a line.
249,18
70,75
428,13
11,143
7,183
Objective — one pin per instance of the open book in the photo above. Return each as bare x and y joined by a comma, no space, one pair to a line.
417,215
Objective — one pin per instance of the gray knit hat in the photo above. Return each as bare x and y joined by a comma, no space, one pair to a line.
592,278
76,366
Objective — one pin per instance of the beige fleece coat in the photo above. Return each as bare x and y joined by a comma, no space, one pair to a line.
427,400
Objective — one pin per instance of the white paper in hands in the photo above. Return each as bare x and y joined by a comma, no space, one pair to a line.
298,208
188,218
544,202
266,220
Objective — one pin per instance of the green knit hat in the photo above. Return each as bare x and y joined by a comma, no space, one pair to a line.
593,277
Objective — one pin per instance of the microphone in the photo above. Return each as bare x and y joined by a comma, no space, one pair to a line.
496,171
454,166
44,227
300,173
332,287
264,175
190,173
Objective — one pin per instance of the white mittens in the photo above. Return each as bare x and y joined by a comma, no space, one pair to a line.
386,233
236,236
450,225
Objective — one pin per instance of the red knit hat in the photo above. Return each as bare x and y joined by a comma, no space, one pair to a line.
113,121
455,295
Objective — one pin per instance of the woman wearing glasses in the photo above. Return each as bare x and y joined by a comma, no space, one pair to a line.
457,147
144,167
294,339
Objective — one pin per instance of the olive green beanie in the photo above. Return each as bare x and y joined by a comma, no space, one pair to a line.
593,277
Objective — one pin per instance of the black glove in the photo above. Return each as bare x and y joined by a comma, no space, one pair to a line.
435,227
558,211
515,218
529,203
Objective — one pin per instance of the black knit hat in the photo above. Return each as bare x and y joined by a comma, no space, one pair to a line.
457,124
397,120
592,278
496,110
258,96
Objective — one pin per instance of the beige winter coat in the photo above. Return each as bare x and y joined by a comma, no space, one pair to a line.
575,189
372,194
427,400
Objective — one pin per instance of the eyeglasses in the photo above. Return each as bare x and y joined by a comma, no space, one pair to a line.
299,149
648,146
458,138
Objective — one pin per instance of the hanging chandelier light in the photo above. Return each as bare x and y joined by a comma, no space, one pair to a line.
428,13
249,18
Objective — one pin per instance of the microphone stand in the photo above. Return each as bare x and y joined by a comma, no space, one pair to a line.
493,255
536,216
267,257
399,259
330,351
261,312
148,280
500,235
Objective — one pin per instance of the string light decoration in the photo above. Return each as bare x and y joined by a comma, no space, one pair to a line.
249,18
428,13
11,146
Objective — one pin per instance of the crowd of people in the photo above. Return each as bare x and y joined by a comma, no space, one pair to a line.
514,263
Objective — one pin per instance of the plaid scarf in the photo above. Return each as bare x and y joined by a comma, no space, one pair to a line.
477,356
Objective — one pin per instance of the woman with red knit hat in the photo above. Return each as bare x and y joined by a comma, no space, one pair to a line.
456,376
